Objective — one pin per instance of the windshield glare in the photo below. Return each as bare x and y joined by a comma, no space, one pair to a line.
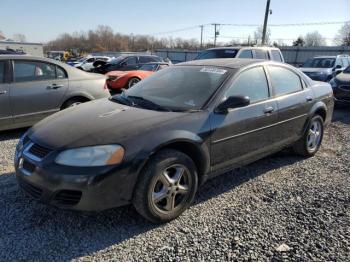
116,60
180,88
347,70
148,67
320,63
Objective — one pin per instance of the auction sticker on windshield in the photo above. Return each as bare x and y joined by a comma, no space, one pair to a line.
213,70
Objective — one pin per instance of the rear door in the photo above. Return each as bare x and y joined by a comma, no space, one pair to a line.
5,111
37,89
248,131
294,101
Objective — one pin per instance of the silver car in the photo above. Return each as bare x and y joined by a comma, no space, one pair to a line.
32,88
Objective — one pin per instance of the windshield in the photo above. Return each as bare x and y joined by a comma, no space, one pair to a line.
347,70
149,67
179,88
218,53
320,63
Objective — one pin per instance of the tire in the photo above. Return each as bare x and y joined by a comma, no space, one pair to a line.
166,187
72,102
133,81
310,142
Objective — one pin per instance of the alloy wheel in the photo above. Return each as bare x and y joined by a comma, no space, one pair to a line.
314,135
171,188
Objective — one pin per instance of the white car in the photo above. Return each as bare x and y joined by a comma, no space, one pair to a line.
86,64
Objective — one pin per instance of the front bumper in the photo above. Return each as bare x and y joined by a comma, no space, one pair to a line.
87,189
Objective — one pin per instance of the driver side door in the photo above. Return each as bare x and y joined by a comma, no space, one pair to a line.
246,132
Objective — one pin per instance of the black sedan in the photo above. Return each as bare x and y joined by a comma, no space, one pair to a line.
157,142
341,87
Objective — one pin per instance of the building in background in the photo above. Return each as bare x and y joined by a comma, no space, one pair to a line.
34,49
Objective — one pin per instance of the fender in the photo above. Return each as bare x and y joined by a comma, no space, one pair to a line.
77,94
171,139
317,106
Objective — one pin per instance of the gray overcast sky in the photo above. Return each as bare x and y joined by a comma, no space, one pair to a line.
41,20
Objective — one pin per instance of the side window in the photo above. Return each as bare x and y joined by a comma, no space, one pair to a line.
339,62
131,61
90,60
251,83
276,56
2,71
284,81
61,73
246,54
33,71
261,54
145,59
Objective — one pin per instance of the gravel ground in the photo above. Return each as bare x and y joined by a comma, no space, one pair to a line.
281,208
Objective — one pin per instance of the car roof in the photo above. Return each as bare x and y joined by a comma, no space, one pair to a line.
225,62
241,47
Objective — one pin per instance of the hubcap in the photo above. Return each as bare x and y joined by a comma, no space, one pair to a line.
314,135
171,188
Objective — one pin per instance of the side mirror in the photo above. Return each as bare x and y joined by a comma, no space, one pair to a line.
232,102
338,67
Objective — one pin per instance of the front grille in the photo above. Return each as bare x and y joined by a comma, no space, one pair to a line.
67,197
30,189
27,166
39,151
346,88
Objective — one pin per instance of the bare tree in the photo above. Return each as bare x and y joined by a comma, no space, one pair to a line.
343,37
258,35
314,39
19,38
299,42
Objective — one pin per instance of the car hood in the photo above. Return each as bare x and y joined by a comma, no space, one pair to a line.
95,123
343,78
117,73
315,70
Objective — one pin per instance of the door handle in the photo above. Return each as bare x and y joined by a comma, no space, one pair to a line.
269,110
54,86
3,92
309,99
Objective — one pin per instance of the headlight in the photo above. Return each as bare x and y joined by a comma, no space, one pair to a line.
333,83
91,156
20,143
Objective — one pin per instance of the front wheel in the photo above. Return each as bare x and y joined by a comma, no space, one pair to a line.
133,81
311,141
167,186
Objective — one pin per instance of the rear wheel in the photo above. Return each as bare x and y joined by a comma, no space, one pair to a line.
167,186
133,81
311,141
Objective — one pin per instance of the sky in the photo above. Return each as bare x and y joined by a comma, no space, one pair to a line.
42,20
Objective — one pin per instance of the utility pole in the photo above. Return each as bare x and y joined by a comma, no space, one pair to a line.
201,26
265,22
216,33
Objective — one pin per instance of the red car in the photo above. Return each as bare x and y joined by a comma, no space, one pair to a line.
117,80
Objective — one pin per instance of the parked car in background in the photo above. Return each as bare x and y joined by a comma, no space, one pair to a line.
86,63
324,68
32,88
157,142
124,63
341,87
117,80
267,53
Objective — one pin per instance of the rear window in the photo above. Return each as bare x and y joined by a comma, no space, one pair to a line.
219,53
2,72
261,54
276,55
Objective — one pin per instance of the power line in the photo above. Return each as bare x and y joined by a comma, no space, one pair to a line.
253,25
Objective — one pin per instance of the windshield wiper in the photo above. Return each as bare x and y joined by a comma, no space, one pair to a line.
148,103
